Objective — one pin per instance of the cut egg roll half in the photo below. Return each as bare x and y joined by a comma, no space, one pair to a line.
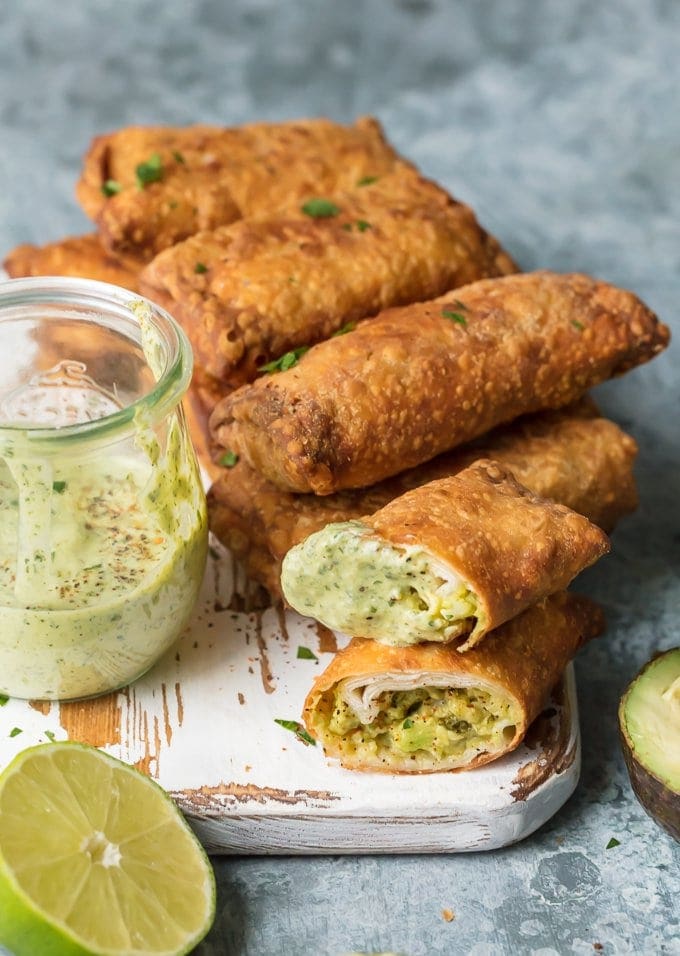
427,708
458,556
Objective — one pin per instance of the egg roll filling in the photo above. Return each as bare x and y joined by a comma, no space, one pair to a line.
426,724
353,581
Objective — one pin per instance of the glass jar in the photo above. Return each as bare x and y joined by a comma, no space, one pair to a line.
103,530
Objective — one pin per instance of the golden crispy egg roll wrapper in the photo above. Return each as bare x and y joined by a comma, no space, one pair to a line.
249,292
82,257
461,555
416,381
150,187
583,462
428,708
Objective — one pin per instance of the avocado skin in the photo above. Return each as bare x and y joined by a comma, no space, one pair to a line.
658,801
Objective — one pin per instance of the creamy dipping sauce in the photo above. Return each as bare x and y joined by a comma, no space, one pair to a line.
101,560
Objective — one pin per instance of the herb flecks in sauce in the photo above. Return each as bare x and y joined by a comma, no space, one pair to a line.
125,546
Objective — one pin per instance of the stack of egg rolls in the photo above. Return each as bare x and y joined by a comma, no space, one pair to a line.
264,239
450,576
396,419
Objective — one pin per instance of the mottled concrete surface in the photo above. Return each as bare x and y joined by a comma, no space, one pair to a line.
560,123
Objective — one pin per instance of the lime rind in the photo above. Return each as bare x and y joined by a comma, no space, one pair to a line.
28,928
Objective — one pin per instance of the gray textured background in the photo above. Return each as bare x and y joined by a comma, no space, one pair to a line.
560,123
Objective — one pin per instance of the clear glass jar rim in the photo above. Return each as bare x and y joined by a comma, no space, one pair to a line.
169,389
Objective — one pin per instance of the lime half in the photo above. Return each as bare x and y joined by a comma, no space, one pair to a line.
95,858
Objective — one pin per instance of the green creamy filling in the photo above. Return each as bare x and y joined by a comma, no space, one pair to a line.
352,581
428,722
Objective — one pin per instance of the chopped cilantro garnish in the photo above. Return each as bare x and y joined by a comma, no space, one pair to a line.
15,731
320,208
50,735
347,226
408,723
297,729
362,225
3,699
349,327
228,459
304,654
367,180
612,843
460,305
150,171
200,268
578,325
59,487
454,317
284,362
177,156
111,187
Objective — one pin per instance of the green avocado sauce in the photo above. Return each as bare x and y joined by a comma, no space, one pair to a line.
351,580
100,565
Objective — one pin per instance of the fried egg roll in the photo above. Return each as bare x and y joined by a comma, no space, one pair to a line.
83,257
419,380
571,456
249,292
458,556
150,187
427,708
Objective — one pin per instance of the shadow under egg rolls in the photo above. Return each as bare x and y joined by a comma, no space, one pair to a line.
427,708
249,292
419,380
148,187
83,257
571,456
458,556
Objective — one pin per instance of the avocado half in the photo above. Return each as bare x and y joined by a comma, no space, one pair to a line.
649,724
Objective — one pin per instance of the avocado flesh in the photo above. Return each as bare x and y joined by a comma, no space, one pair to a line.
427,724
649,719
353,581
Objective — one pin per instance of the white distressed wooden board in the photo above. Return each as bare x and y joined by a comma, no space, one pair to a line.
202,724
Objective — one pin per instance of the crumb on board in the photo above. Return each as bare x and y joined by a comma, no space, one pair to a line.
448,915
598,947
